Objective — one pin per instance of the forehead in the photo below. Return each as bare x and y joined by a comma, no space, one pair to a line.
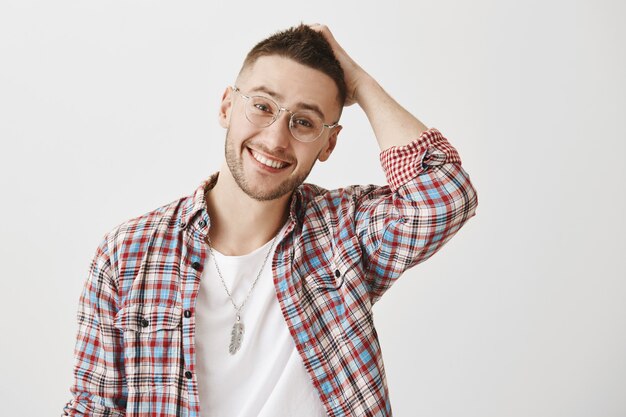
291,84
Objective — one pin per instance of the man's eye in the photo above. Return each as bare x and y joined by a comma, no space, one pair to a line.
303,123
263,107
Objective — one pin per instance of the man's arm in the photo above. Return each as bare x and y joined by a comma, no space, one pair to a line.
392,124
99,387
429,197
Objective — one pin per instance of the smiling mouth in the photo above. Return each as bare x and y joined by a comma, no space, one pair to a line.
271,163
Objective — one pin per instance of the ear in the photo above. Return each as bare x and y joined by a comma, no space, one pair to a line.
330,145
226,108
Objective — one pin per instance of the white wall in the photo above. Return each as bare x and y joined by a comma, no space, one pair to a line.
108,110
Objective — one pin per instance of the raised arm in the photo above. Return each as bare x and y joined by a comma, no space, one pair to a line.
392,124
429,196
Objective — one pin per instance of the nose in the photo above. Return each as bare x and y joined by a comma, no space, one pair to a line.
278,134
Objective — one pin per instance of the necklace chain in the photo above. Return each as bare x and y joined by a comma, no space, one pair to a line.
219,273
237,332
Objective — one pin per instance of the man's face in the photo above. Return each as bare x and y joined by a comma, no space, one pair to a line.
250,149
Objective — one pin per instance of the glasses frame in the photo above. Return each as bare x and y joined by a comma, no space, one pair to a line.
277,115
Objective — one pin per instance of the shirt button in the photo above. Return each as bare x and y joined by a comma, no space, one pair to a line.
202,223
144,323
337,273
188,375
187,313
182,224
196,266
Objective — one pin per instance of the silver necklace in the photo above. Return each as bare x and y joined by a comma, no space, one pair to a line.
236,334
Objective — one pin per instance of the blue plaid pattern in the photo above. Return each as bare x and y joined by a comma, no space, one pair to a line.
341,251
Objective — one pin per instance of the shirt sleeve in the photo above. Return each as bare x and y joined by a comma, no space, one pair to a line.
429,198
99,387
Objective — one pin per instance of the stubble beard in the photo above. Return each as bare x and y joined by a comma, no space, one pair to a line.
235,165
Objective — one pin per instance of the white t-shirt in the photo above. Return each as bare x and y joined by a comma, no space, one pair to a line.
266,377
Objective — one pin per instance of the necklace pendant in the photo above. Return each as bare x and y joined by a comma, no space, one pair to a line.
236,336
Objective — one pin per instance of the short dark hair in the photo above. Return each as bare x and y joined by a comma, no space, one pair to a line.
305,46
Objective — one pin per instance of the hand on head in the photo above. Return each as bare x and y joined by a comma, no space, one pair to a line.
353,73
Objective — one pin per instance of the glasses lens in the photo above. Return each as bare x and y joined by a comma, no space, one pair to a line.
261,111
306,126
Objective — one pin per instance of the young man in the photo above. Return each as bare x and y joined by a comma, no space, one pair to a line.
254,295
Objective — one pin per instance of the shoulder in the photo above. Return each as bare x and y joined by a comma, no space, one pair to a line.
340,201
314,194
159,218
133,238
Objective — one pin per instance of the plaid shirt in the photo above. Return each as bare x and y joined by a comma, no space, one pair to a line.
341,251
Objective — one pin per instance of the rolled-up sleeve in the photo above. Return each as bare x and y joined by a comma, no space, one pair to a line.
429,198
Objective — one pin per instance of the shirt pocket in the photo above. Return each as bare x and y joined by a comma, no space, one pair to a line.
152,345
342,266
333,287
342,299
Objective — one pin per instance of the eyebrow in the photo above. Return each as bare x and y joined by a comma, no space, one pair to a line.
278,97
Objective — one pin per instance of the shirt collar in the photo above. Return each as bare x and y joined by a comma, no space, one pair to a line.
198,203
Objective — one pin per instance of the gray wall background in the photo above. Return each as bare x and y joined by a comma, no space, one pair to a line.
108,109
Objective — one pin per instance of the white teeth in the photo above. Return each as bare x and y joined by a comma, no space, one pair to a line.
268,162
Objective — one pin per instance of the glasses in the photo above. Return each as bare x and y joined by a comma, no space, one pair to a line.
304,125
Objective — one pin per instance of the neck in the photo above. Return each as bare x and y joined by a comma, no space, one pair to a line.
239,223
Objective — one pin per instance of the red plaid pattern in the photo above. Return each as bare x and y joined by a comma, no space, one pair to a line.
341,251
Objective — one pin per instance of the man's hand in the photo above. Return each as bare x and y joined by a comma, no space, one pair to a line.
353,73
392,124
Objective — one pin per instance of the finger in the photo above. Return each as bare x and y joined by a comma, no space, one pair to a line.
318,27
325,31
